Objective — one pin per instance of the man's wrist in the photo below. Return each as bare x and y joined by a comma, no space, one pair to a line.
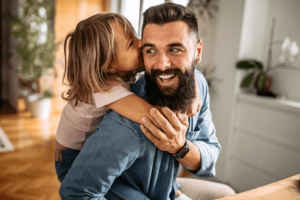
183,151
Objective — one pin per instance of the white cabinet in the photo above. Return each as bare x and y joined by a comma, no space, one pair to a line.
265,142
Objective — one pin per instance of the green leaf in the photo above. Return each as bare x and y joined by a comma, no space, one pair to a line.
47,94
258,64
262,81
245,65
246,82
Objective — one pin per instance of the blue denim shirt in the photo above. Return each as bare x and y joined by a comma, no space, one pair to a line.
119,162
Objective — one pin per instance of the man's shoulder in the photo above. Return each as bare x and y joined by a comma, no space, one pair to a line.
115,120
138,87
200,78
202,83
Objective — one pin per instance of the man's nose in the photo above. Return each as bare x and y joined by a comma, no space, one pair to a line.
163,62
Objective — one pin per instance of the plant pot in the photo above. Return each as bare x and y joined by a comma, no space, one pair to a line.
39,108
266,90
267,86
29,101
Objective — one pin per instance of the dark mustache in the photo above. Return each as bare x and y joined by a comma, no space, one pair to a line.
157,72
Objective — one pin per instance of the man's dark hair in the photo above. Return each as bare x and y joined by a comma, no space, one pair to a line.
170,12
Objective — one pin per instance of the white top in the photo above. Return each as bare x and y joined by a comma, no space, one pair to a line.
76,122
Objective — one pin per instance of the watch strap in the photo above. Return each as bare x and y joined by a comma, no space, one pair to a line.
183,151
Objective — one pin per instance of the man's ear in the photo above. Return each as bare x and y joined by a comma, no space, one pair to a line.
198,51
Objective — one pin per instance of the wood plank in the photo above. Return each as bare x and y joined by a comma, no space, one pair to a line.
284,189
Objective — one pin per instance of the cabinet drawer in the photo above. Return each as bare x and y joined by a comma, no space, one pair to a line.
243,178
276,125
271,158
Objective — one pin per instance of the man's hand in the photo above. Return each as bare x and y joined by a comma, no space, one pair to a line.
171,136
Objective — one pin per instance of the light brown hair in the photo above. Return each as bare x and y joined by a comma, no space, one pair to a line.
89,50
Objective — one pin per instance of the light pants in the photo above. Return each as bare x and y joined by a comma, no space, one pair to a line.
197,189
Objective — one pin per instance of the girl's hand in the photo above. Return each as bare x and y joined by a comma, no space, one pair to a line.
195,107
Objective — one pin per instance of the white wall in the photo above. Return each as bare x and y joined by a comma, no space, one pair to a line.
226,53
287,17
243,31
207,32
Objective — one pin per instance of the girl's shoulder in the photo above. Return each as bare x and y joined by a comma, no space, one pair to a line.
83,110
117,92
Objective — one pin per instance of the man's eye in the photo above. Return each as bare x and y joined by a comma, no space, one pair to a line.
150,51
175,50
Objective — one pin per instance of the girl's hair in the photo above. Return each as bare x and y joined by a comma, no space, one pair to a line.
91,48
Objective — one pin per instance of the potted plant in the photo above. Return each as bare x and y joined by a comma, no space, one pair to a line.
263,81
33,28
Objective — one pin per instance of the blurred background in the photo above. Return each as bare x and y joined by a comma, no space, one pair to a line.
250,61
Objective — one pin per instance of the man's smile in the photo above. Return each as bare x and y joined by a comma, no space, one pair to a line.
166,79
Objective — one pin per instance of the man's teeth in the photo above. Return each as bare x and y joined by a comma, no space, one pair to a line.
166,76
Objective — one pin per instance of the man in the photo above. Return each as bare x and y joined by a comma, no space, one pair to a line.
123,160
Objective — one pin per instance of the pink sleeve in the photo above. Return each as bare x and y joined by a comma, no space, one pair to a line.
114,94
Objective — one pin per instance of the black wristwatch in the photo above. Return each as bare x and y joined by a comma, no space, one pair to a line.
183,151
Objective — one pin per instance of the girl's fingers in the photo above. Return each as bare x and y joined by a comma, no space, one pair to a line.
183,118
199,105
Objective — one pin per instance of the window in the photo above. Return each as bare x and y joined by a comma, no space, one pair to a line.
133,9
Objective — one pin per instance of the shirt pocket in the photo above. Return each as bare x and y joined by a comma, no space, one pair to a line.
192,135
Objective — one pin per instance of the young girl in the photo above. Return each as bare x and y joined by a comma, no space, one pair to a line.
103,53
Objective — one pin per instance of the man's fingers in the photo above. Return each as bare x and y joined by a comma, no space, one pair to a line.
154,130
171,117
162,119
149,135
183,119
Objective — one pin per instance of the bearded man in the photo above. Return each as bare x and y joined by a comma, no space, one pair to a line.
126,160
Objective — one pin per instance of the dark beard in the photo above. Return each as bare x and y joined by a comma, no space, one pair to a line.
179,99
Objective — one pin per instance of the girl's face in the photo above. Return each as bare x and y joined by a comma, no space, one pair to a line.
128,51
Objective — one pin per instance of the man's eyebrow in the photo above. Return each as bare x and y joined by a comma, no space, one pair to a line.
178,44
148,45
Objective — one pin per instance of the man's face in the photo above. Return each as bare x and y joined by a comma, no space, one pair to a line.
166,47
170,54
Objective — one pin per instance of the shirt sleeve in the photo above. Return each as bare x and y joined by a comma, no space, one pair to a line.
105,155
205,132
114,94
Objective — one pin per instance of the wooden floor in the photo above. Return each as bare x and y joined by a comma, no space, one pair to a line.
28,172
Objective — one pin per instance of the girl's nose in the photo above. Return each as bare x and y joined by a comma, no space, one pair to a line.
139,42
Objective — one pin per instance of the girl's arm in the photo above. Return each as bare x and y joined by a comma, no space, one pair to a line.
134,107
